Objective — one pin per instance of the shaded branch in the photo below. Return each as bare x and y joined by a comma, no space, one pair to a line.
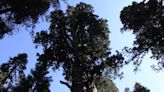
65,83
9,74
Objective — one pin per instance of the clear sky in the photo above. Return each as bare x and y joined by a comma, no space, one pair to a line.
109,9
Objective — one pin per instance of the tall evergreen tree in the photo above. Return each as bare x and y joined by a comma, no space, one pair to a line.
12,14
79,46
78,41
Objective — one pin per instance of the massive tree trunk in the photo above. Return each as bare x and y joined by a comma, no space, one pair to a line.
77,80
82,78
78,86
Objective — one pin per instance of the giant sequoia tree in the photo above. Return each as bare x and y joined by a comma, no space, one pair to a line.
146,21
78,41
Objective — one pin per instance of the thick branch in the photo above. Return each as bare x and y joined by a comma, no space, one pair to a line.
65,83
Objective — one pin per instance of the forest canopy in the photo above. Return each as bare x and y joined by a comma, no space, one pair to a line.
78,42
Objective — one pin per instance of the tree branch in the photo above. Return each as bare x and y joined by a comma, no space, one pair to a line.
65,83
8,75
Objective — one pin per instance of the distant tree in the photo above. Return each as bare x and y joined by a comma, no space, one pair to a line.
138,88
14,13
78,41
13,78
104,84
37,81
12,71
146,21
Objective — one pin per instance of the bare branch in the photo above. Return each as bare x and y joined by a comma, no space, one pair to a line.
65,83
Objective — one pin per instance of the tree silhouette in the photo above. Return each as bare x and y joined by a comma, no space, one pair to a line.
13,77
138,88
22,12
146,21
15,12
78,41
12,71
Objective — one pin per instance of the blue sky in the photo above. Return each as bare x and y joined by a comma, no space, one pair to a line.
109,9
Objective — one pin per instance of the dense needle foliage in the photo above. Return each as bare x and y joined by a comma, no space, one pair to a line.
14,13
146,21
78,41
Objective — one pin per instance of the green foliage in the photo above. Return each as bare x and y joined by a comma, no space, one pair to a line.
37,81
14,12
22,12
78,41
105,85
146,21
12,71
12,76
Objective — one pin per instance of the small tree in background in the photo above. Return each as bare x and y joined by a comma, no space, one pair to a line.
138,88
12,72
104,84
